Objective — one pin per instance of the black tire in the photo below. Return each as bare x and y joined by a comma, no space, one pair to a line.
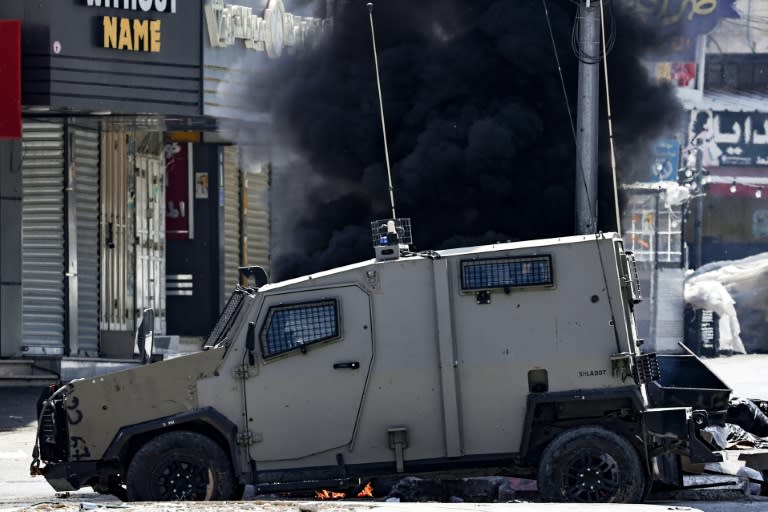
180,466
591,464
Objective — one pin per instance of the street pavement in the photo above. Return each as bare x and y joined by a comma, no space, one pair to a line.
19,491
17,437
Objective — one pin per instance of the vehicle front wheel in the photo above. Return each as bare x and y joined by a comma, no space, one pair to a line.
180,466
591,464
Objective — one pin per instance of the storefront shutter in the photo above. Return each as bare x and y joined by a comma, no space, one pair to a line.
117,234
257,217
232,217
86,160
43,231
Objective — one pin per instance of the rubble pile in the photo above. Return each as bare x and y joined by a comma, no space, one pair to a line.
495,489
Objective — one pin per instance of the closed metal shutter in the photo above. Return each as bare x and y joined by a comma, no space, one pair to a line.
232,216
117,234
43,238
86,160
257,216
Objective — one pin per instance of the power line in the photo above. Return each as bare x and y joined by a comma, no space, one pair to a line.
609,44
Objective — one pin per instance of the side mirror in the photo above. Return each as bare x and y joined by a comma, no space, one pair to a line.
257,274
250,343
145,336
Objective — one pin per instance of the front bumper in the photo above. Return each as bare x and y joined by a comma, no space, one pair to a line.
52,447
71,476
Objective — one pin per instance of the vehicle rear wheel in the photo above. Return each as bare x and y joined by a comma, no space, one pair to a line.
591,464
180,466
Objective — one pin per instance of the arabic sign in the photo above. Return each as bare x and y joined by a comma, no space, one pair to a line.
683,17
730,138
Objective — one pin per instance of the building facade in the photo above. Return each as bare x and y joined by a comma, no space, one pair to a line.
729,123
123,192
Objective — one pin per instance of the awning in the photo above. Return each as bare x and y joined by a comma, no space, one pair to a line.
728,102
737,182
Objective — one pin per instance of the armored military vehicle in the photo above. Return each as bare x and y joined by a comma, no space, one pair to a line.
514,358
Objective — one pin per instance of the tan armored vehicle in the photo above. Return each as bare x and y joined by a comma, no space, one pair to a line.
515,358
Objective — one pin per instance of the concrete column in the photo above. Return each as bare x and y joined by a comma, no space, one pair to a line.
10,248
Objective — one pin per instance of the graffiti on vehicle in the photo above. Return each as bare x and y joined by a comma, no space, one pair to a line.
78,448
74,415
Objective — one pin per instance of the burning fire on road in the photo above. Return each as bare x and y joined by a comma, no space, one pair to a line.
325,494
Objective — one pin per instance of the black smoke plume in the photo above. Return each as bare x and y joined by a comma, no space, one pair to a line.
479,134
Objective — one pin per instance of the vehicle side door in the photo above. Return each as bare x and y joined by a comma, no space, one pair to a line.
315,354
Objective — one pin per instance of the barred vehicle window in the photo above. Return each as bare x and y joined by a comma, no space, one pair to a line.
233,306
298,325
514,272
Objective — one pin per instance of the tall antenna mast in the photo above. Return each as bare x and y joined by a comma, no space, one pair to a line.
381,109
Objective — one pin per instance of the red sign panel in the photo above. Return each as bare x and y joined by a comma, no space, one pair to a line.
10,83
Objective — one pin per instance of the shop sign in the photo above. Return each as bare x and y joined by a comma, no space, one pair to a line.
682,17
730,138
272,32
10,85
136,5
133,34
666,157
679,23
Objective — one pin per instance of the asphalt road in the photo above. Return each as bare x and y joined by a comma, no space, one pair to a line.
17,437
19,491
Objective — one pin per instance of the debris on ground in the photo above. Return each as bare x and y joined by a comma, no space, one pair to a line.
740,438
495,489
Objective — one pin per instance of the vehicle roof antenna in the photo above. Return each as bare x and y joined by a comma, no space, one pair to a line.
381,110
391,237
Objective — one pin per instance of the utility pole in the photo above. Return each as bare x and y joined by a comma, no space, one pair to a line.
587,117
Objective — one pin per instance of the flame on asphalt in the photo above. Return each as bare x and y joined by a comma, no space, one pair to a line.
367,491
325,494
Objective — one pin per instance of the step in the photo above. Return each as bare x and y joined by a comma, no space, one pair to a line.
11,367
28,380
26,370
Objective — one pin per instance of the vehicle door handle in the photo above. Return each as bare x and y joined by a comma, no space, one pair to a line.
352,365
